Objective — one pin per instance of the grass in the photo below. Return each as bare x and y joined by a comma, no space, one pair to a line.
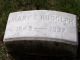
7,6
2,53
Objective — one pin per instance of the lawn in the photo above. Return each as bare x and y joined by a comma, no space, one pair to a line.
7,6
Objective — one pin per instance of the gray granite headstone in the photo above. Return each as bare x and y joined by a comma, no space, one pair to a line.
43,30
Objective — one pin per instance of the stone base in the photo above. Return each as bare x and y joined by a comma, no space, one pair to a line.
44,50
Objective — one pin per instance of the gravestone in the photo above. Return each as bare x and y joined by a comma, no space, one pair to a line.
41,32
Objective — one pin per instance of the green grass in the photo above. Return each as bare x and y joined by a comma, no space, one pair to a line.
3,53
7,6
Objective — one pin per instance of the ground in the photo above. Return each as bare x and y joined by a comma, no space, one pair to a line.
7,6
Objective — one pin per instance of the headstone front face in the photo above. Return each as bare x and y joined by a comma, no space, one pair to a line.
40,28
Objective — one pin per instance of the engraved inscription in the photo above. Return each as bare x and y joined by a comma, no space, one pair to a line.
42,24
52,18
50,22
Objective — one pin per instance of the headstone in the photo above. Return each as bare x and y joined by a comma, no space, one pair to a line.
40,32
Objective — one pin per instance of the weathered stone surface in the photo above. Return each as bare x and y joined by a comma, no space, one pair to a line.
40,25
41,32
